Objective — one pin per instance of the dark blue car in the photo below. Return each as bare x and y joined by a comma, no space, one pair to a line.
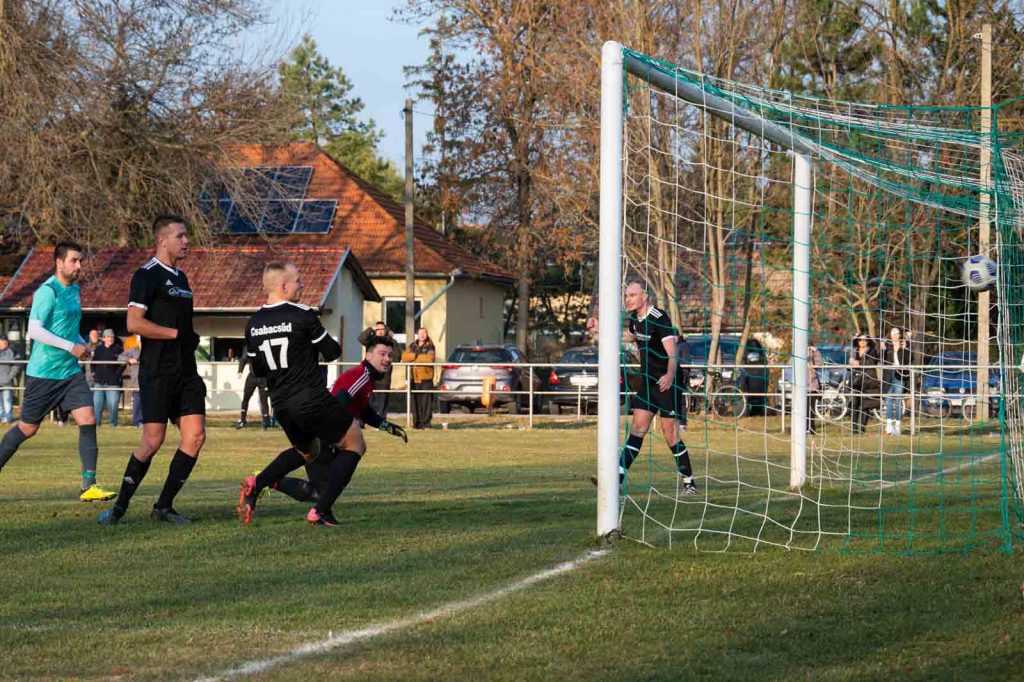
949,384
837,368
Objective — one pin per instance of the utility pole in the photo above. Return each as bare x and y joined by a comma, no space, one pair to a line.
410,271
985,198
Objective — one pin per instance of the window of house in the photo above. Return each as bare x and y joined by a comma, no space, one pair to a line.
394,314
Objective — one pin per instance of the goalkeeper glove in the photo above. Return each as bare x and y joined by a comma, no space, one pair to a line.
394,430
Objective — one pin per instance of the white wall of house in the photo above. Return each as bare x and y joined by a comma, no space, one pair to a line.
343,318
476,311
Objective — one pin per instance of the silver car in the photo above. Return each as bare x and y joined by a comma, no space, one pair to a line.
462,377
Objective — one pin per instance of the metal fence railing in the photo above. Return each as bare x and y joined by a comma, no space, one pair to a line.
720,391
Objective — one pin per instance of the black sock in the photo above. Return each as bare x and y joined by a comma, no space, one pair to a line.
297,489
133,475
342,468
629,453
177,474
682,456
88,453
10,443
286,462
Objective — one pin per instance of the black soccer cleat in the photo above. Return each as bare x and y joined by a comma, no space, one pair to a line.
168,516
689,487
111,516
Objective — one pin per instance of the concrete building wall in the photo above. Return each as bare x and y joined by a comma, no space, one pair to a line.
343,318
476,312
435,317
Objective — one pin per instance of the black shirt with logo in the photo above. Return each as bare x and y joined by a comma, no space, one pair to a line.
163,292
650,332
284,342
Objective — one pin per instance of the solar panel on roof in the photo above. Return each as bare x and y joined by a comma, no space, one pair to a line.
259,181
291,182
280,215
238,223
316,216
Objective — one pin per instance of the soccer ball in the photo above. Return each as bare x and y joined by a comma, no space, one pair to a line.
979,273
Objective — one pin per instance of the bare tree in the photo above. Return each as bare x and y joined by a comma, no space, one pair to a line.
114,110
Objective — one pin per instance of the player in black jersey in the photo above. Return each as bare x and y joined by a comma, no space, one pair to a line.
285,341
160,311
657,391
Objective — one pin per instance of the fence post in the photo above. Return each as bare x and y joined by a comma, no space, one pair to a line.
782,409
913,407
531,398
408,398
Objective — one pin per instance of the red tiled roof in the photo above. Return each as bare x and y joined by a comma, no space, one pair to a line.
368,221
222,277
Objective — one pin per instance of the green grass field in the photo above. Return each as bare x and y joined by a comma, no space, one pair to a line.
462,513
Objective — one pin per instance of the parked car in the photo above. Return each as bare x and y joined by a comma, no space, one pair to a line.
836,370
743,389
462,377
949,385
573,386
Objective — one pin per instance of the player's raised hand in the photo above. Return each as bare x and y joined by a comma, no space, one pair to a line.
395,430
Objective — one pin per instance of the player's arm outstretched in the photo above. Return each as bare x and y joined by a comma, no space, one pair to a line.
370,417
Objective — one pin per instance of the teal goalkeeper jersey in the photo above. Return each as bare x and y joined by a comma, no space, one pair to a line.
59,309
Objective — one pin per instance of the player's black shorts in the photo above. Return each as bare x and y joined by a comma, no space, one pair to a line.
320,417
165,397
649,397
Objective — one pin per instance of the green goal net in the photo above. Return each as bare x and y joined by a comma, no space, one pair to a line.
912,451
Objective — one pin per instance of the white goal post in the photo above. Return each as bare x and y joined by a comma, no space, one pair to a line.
615,63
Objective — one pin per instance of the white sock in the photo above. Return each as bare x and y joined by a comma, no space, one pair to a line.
888,426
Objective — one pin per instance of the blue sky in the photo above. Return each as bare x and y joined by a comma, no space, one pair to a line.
359,36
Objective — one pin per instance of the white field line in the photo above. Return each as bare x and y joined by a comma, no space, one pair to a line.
350,637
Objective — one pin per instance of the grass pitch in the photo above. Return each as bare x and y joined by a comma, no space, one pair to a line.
453,515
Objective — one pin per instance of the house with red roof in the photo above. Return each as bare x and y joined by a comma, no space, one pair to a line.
227,288
345,236
466,294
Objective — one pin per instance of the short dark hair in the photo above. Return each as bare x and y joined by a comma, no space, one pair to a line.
162,221
379,341
60,252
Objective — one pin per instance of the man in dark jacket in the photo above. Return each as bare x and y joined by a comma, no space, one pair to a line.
9,373
252,384
106,377
381,386
864,380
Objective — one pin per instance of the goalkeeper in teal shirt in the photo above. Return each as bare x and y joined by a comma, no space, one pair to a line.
53,376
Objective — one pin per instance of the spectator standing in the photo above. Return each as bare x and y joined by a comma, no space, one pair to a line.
895,378
106,373
9,373
381,386
864,380
685,359
814,365
252,384
422,350
92,343
130,360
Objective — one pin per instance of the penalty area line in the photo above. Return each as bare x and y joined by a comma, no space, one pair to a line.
344,639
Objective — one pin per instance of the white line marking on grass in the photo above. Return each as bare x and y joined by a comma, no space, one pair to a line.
350,637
